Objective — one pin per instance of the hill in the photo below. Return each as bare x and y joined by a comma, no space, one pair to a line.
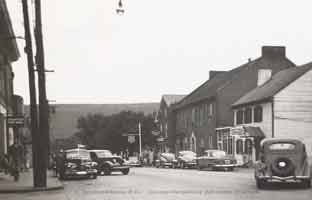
63,121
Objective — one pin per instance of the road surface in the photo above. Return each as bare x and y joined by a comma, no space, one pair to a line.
153,183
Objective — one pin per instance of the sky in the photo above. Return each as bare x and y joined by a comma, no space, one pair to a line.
157,47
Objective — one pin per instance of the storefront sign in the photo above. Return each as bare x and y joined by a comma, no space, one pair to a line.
15,120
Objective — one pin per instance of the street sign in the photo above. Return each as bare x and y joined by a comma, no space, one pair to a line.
15,120
156,133
131,139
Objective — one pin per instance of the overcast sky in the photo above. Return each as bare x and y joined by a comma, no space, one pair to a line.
157,47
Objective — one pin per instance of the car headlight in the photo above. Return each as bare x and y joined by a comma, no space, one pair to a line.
71,165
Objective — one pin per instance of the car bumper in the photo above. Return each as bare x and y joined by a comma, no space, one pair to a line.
119,168
224,165
81,173
284,179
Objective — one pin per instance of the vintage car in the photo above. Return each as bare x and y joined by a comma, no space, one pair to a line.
108,163
187,159
166,160
76,163
282,160
133,161
216,159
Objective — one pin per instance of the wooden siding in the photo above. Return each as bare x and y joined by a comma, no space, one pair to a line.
266,124
293,111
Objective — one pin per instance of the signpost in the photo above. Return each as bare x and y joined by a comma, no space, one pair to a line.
15,120
131,138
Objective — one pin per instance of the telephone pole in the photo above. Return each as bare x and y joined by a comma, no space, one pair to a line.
43,102
32,95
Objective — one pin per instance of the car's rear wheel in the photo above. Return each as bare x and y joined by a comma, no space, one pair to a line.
306,183
182,165
125,171
93,176
107,170
260,183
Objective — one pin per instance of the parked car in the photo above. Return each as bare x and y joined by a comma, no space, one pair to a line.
187,159
76,163
108,163
216,159
133,161
166,160
282,160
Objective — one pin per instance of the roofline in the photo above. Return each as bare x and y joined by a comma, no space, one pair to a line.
16,54
264,100
271,97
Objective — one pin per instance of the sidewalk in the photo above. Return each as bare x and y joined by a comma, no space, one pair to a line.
25,183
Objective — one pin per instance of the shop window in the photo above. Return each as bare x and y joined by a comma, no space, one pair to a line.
239,117
248,146
258,114
230,143
239,147
247,114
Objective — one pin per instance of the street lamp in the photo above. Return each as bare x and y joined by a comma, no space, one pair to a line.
120,10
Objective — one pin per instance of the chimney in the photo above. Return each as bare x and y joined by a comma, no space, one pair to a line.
273,51
214,73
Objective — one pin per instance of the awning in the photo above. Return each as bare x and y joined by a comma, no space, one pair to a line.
254,131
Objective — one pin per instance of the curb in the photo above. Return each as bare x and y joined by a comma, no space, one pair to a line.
31,189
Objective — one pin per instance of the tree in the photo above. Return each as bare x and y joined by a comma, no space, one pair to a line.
99,131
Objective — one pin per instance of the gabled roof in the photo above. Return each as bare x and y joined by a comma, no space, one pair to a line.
172,98
278,81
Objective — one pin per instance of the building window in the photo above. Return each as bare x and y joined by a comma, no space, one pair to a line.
248,115
230,143
166,130
210,109
239,116
248,146
239,147
210,142
258,114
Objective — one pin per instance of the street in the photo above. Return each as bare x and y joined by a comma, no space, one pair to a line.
153,183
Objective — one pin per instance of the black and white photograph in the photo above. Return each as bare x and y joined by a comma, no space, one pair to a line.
155,99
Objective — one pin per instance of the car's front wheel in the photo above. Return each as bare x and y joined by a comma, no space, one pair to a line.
125,171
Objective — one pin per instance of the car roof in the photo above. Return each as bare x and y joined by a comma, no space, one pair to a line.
99,150
77,149
209,150
269,141
186,152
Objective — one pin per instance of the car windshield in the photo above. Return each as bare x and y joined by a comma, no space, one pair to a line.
282,146
103,154
169,156
216,154
78,154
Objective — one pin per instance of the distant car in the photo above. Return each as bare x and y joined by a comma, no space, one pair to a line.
187,159
282,160
108,163
133,161
76,163
166,160
216,159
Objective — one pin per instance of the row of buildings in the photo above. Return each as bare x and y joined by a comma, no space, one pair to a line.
11,105
234,110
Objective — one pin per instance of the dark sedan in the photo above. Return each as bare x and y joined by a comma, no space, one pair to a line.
108,163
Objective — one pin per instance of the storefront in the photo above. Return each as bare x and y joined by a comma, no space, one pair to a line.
242,142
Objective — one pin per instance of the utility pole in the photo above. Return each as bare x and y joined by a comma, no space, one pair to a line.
32,95
140,140
43,102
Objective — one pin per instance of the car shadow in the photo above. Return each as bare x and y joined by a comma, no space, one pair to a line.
284,186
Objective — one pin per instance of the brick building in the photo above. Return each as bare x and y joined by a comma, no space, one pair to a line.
209,106
166,120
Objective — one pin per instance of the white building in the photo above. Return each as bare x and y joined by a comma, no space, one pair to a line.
281,106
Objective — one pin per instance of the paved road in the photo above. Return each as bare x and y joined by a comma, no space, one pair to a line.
152,183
